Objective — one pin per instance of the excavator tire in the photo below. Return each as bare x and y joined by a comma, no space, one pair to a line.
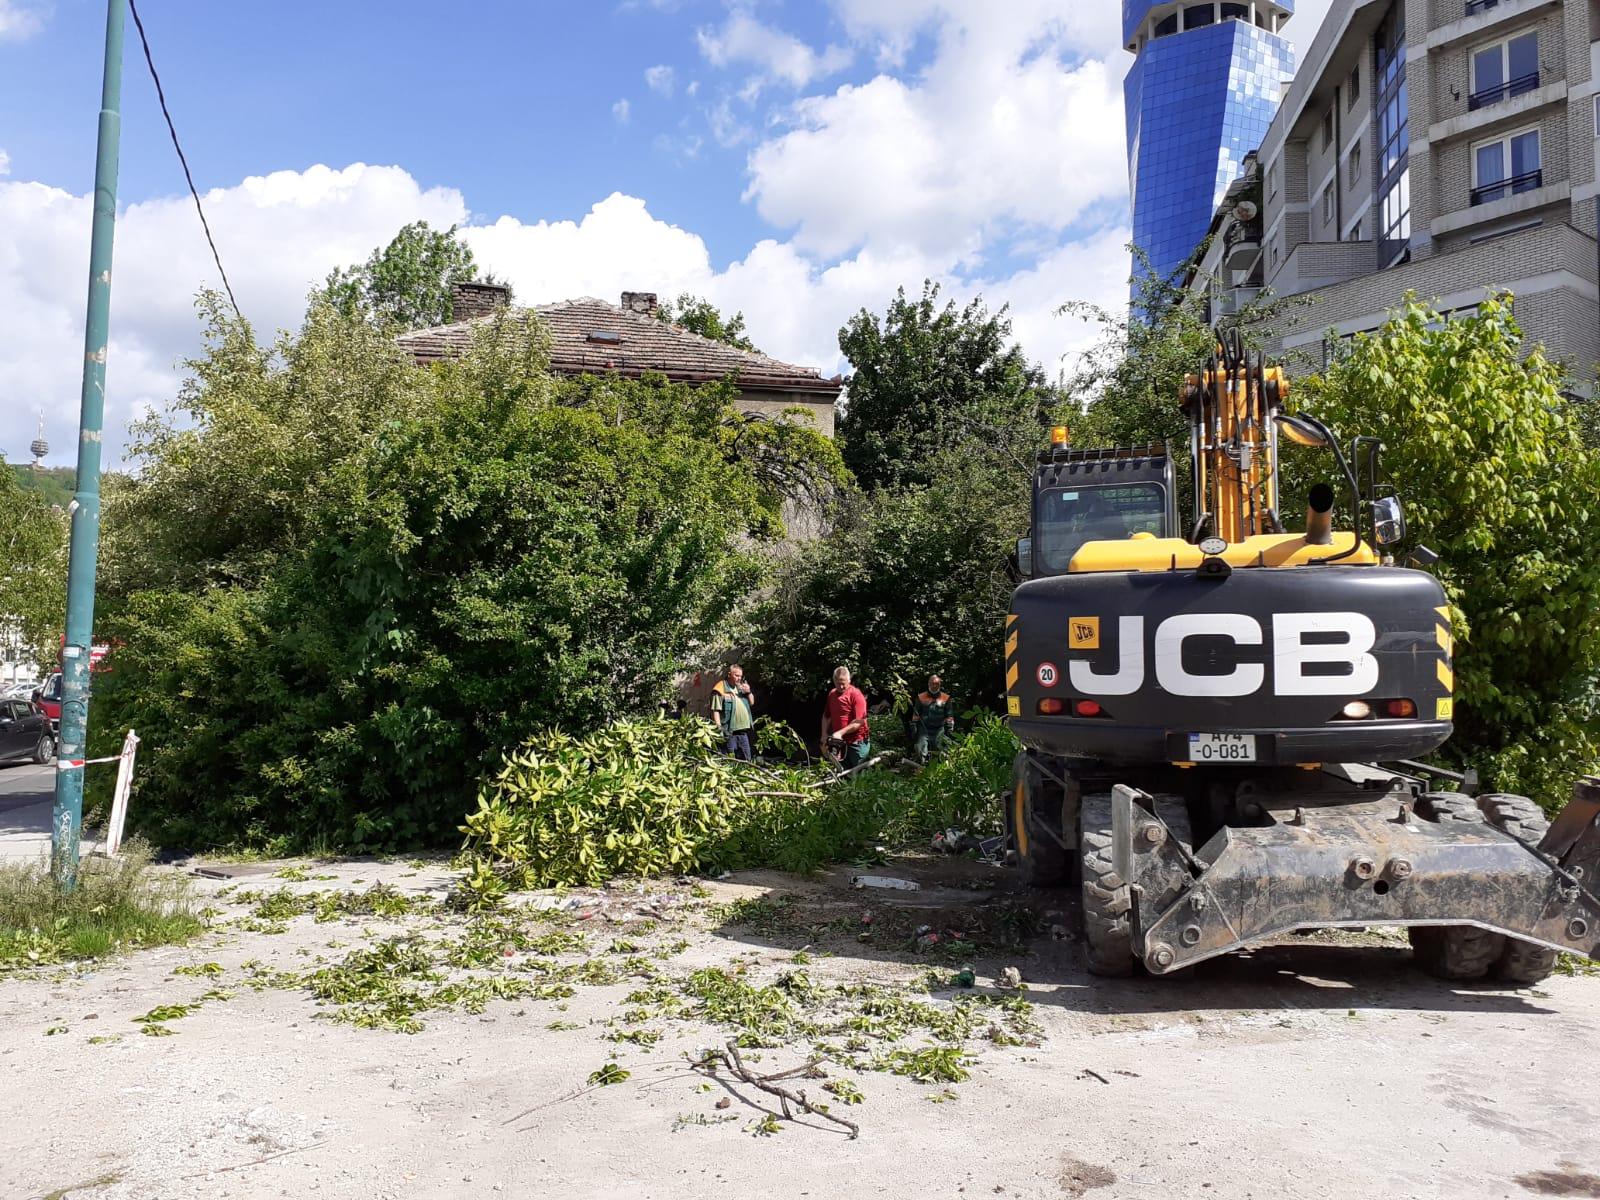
1519,962
1453,951
1107,930
1033,814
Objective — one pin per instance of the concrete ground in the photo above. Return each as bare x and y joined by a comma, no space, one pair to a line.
1314,1069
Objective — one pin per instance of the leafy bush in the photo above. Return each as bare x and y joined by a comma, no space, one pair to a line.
910,582
1491,459
330,647
645,798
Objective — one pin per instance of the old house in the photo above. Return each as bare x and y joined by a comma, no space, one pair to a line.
591,337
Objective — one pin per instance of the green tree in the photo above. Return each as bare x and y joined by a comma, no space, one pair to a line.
409,281
489,553
1497,479
234,469
33,570
699,315
927,377
910,581
54,484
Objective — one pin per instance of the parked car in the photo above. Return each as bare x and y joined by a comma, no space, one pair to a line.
25,732
48,698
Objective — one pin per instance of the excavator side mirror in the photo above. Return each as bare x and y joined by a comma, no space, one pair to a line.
1025,557
1388,521
1301,431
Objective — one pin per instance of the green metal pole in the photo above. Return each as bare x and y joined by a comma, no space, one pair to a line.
67,817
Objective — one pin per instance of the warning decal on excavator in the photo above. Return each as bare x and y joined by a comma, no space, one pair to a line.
1446,710
1083,633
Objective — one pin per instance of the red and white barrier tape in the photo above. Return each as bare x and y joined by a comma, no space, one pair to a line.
67,764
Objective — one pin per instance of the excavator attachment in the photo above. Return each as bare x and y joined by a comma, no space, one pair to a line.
1364,857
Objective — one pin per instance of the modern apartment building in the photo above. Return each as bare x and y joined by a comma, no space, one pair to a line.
1445,147
1203,88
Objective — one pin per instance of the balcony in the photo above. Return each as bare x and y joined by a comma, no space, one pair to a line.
1478,6
1504,91
1490,192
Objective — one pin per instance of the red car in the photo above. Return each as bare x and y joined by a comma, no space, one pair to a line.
48,698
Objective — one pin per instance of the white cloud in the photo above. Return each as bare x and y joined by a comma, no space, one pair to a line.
776,55
5,163
20,21
621,111
996,169
280,235
1007,127
728,128
1083,27
659,79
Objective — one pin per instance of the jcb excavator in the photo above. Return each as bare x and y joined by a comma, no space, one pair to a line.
1221,724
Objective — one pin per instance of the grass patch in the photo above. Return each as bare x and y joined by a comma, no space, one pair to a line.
118,905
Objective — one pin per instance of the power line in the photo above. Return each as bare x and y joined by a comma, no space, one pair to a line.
162,96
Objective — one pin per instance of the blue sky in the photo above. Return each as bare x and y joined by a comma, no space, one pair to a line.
793,160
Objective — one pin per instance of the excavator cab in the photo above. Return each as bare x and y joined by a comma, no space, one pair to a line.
1082,496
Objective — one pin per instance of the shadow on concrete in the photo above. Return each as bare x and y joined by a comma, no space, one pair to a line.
983,916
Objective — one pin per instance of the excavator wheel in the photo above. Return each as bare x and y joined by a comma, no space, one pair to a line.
1032,816
1453,951
1107,931
1520,961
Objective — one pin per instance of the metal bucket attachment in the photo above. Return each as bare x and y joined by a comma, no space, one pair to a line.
1362,862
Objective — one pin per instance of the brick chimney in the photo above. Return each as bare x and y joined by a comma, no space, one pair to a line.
469,301
643,303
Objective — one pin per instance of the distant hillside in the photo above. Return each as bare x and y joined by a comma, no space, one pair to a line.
55,484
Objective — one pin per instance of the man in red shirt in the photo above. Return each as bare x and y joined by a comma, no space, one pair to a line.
844,722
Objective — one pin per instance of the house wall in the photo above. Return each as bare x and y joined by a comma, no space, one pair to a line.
773,404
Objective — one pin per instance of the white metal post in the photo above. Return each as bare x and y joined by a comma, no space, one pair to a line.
119,802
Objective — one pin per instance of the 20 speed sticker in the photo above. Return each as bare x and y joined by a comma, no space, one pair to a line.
1047,675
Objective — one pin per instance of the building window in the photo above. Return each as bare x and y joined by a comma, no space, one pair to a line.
1169,25
1327,129
1395,215
1272,179
1197,16
1504,70
1597,116
1235,12
1327,205
1505,166
1355,233
1353,90
1392,169
1355,166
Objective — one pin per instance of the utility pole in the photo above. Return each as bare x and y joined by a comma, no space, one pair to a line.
67,816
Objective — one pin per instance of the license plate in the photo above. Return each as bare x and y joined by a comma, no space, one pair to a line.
1222,747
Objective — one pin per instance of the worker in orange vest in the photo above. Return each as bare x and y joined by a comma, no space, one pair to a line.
934,718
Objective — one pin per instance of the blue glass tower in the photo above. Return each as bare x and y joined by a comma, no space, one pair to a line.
1204,87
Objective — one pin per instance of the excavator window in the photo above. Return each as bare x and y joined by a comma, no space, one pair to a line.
1069,517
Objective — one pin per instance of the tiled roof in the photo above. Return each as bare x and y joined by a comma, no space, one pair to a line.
589,336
